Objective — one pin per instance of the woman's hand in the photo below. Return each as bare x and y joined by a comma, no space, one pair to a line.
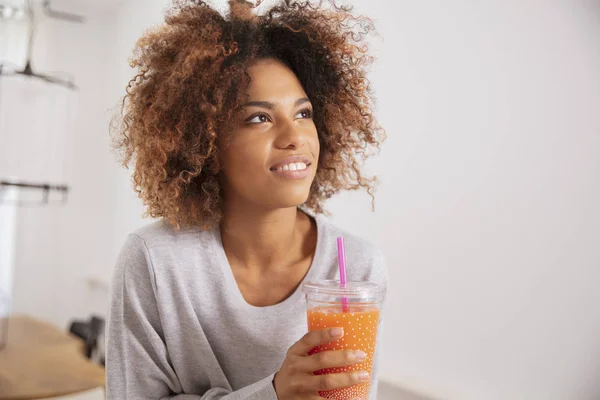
295,380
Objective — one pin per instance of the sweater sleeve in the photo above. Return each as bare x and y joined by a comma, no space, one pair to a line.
261,390
138,366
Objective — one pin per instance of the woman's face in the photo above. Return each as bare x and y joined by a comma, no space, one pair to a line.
272,156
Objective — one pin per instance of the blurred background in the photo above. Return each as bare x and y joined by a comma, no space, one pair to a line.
488,209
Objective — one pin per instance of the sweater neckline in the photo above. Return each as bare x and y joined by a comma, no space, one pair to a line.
293,299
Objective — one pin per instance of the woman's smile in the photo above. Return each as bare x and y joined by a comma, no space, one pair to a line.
293,167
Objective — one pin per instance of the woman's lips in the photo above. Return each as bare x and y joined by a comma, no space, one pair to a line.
293,167
291,160
293,174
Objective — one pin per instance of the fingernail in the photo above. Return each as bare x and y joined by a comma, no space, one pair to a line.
359,355
336,332
363,376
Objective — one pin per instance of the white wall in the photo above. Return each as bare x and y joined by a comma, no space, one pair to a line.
489,208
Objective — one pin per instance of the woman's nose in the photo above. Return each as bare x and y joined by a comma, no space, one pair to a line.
290,136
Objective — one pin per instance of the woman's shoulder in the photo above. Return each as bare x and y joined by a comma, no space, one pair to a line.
161,234
160,245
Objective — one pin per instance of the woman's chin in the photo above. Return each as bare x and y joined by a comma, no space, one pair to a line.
289,201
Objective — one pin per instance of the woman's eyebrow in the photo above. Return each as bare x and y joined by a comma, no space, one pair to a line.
271,106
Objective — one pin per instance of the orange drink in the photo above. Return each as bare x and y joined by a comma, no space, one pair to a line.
354,307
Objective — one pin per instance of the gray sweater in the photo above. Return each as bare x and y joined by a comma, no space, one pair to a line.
179,328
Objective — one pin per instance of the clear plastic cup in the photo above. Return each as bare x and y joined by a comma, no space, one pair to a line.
354,307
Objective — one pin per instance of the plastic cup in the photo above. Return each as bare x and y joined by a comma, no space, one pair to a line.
354,307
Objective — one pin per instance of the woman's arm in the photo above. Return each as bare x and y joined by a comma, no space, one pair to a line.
137,361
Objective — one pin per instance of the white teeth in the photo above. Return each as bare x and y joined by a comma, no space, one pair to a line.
293,167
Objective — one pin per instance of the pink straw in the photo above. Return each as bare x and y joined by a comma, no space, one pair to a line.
342,264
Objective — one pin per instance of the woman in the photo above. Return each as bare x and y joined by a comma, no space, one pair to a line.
232,123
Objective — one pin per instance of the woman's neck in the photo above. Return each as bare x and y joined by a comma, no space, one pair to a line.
261,240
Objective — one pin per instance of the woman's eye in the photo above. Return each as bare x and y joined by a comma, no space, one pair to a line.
306,113
262,118
258,119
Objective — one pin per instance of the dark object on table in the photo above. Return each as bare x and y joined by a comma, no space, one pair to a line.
92,332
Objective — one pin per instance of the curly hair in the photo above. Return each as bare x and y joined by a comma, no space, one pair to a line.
191,80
